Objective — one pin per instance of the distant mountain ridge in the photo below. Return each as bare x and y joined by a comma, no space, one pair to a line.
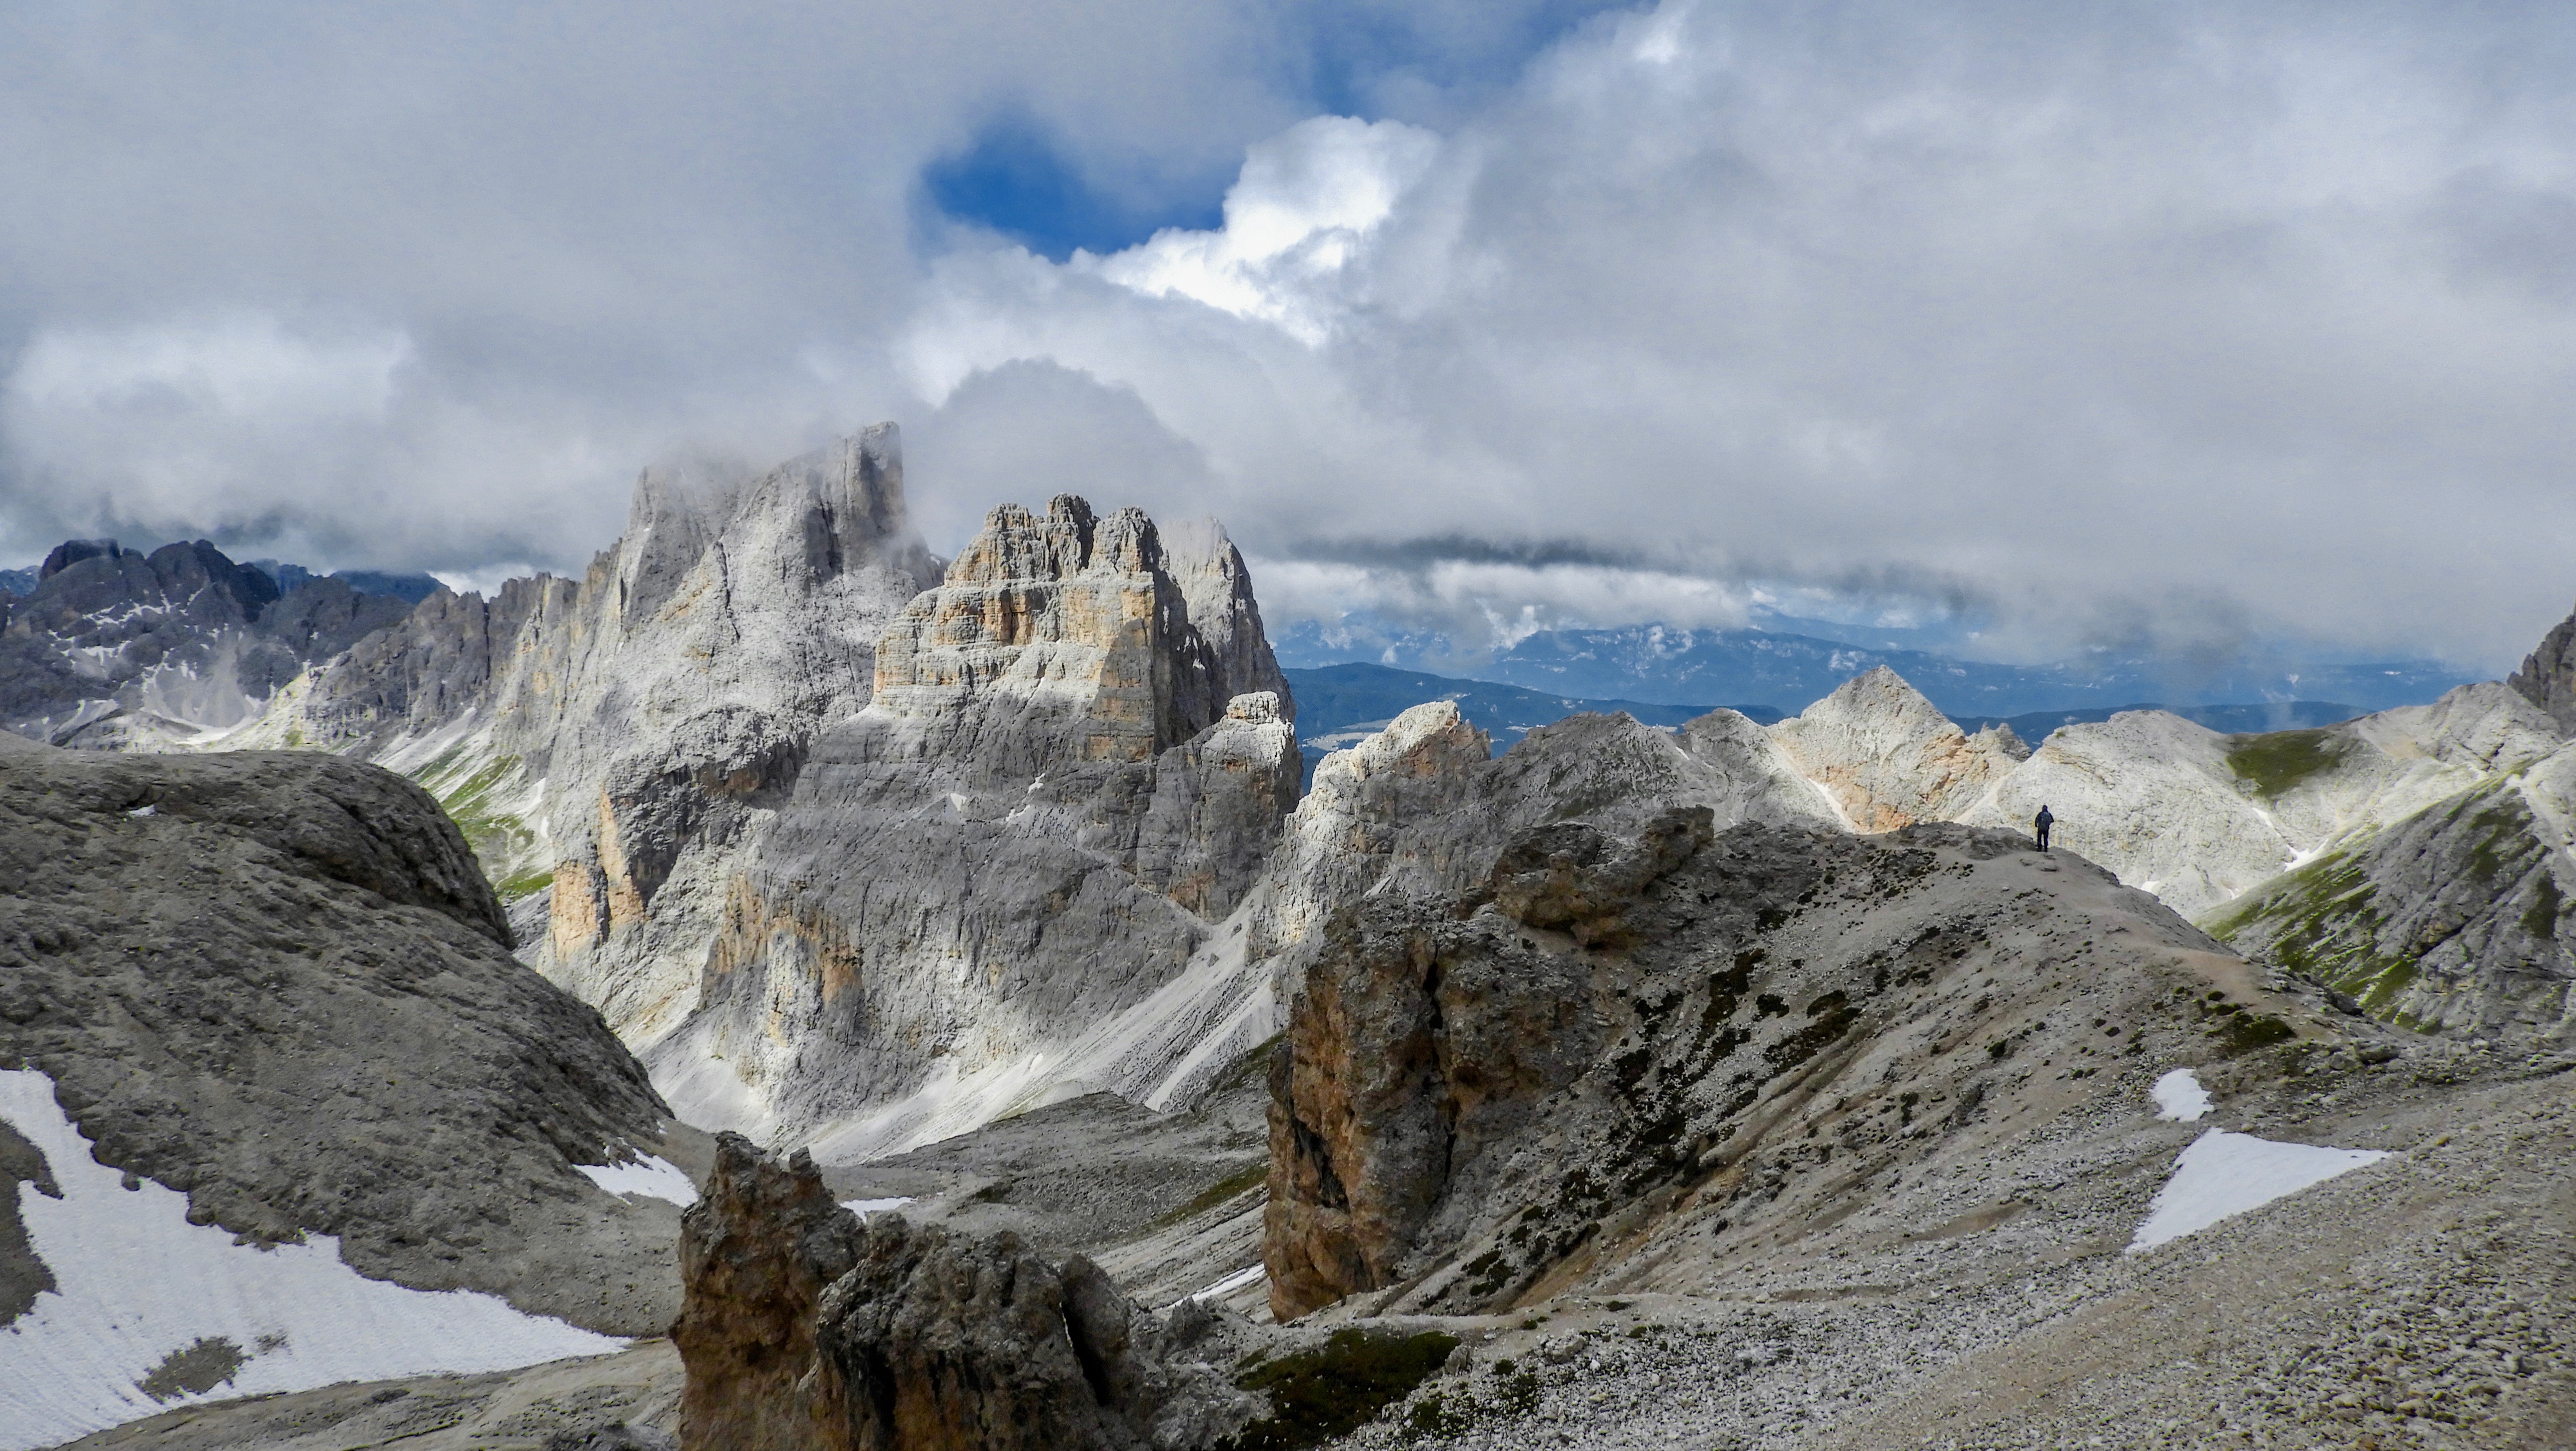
1659,664
1339,705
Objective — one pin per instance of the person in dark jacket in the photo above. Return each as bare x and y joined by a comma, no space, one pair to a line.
2040,824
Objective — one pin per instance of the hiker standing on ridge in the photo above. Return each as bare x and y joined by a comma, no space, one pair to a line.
2040,824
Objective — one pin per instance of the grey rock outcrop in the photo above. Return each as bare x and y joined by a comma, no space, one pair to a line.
1424,806
2548,675
806,1326
1620,1048
279,984
23,1274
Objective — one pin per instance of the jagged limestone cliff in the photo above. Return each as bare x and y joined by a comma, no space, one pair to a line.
1062,781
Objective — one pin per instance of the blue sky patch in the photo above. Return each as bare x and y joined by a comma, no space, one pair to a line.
1017,180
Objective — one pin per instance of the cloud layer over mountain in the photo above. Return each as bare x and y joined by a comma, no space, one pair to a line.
2176,324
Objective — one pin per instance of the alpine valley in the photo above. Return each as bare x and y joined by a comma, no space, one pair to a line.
784,989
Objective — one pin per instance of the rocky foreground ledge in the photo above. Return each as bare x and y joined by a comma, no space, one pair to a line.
807,1325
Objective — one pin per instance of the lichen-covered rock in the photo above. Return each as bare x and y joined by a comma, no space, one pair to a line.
276,983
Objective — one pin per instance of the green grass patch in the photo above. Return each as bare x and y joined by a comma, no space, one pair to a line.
2322,922
1232,1185
2541,918
2278,761
467,788
1335,1388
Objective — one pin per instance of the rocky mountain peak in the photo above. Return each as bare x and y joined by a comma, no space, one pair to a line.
1068,634
1888,757
73,551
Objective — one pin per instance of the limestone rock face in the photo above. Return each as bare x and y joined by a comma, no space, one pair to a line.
2454,920
1422,805
1063,638
2151,796
1889,758
615,741
2548,676
805,1326
1607,1063
115,649
278,984
1056,790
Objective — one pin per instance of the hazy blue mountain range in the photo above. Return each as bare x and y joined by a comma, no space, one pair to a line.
2272,715
412,587
1787,671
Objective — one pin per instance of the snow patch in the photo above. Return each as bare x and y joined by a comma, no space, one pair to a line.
2222,1174
650,1177
139,1285
865,1207
2180,1097
1249,1274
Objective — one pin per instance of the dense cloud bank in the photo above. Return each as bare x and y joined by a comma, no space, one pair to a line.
2166,326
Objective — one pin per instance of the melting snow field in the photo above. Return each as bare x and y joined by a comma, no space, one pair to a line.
865,1207
144,1297
648,1177
2222,1174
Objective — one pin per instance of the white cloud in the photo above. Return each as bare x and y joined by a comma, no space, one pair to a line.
2151,323
1480,603
242,367
1304,210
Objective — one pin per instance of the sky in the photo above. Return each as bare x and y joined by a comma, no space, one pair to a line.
2140,326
